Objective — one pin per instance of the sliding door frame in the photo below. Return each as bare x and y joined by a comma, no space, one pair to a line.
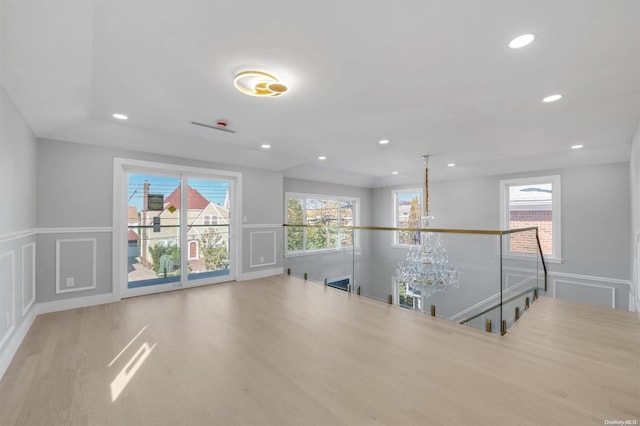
121,168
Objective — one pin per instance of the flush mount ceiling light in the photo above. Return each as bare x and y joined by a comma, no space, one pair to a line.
259,83
384,141
521,41
394,173
577,146
552,98
322,157
265,146
120,116
451,165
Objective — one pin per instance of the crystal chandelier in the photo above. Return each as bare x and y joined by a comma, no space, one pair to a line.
427,270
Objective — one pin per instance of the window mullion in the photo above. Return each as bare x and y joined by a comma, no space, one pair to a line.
304,222
339,224
184,218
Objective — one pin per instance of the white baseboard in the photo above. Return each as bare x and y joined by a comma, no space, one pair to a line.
76,302
13,344
260,274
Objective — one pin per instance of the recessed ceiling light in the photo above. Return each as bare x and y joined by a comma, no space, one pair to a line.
577,146
259,83
384,141
552,98
521,41
120,116
265,146
451,165
322,157
394,173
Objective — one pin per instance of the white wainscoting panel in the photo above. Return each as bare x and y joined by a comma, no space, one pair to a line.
75,258
28,276
595,294
8,296
262,248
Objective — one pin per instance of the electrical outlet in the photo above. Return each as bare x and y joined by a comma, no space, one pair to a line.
261,259
69,281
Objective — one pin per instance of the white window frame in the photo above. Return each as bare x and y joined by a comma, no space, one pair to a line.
305,196
123,166
394,213
556,222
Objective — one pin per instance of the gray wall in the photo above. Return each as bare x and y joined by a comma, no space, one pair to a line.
635,213
17,223
75,187
17,169
595,225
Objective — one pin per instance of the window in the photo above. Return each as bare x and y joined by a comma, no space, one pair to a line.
407,213
210,219
328,213
532,202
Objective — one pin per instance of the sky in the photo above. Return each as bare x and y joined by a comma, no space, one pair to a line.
212,190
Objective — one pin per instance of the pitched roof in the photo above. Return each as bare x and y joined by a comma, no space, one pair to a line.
195,200
132,235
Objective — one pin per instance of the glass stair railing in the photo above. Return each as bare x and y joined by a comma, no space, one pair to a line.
490,318
483,279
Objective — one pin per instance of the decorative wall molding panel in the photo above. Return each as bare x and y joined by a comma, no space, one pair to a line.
28,276
590,278
590,289
8,296
262,248
75,264
602,295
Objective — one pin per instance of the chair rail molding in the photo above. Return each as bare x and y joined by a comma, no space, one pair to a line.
13,236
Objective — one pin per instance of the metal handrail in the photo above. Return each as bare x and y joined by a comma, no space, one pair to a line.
439,230
544,265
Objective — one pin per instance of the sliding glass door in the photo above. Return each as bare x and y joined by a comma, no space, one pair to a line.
153,231
178,231
208,236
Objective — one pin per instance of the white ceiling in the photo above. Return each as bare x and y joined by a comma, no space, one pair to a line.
433,77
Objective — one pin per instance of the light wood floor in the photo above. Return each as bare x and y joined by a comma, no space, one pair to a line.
281,351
